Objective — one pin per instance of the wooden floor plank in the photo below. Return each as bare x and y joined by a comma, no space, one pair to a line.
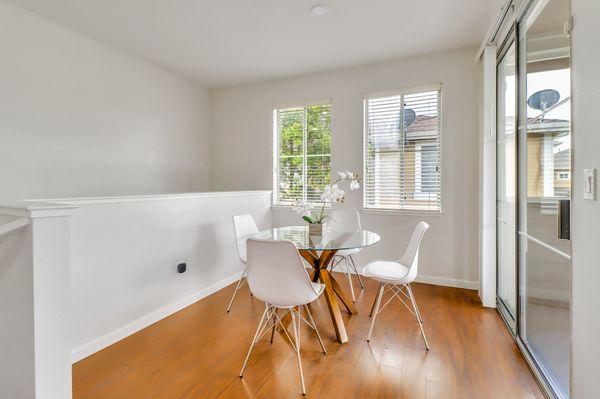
198,353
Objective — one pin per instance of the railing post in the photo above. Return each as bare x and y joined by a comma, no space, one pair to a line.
35,345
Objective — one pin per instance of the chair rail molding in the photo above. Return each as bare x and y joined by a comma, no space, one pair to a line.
12,226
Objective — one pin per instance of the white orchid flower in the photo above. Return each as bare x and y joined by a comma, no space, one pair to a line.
332,193
299,207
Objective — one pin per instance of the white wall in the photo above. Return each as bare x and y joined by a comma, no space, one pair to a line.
79,118
241,149
586,214
125,252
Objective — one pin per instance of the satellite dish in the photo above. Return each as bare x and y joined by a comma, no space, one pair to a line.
409,117
543,99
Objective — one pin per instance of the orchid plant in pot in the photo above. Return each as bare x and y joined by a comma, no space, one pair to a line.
314,213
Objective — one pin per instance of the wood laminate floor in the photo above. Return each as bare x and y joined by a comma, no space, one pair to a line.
198,352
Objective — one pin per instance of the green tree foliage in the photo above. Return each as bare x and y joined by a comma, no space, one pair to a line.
304,129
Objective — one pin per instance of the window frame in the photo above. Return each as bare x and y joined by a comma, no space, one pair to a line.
275,203
401,92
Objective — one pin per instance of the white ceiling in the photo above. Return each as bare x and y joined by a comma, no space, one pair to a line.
227,42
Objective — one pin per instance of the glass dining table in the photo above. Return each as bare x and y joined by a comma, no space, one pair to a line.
319,252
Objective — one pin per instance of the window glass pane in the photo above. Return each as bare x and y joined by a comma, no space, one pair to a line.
318,120
428,170
291,132
290,176
303,154
545,190
402,152
319,175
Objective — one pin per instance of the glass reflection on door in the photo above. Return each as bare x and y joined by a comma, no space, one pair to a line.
506,181
545,190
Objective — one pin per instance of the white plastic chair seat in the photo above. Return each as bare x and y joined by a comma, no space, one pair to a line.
387,272
318,287
395,277
347,252
242,251
244,226
276,276
348,221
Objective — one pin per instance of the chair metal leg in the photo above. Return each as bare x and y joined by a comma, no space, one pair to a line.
414,303
258,329
374,302
237,288
335,262
418,312
362,286
349,278
274,324
312,320
374,313
295,323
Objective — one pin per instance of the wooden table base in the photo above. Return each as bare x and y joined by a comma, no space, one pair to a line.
333,290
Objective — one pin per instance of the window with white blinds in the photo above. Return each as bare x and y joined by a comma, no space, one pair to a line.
402,150
302,150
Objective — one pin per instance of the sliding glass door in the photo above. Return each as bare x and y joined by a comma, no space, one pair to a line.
533,130
545,189
506,183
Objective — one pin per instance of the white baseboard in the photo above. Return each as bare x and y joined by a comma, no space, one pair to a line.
448,282
435,280
89,348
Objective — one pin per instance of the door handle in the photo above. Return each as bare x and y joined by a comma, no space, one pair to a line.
564,219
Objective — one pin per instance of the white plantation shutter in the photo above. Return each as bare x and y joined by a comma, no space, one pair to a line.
402,150
302,153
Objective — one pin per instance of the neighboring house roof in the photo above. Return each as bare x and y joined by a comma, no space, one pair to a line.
423,128
548,125
423,123
536,125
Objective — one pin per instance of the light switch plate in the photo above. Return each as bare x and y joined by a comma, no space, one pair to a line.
589,188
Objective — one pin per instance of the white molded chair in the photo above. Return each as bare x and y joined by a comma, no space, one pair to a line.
276,275
347,221
244,226
395,277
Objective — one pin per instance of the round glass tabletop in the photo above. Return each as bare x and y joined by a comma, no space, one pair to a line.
330,240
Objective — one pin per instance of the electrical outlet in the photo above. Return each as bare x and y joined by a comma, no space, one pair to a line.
181,268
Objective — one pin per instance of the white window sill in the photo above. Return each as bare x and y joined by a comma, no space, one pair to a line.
282,207
405,212
289,208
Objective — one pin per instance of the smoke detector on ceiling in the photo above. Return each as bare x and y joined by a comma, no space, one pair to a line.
319,10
